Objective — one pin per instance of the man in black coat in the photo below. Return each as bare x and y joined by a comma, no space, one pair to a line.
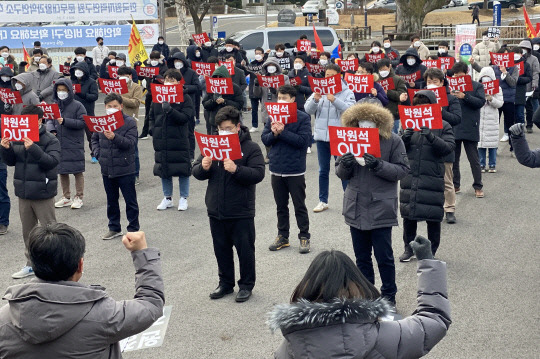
231,49
208,50
230,201
80,56
303,90
35,179
115,151
156,60
253,69
411,64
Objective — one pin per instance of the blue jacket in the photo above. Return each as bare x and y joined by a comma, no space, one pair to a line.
508,85
288,150
381,95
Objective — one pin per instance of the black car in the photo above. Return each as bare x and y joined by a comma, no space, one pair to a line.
505,4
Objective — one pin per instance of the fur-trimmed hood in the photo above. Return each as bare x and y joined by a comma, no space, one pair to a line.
308,315
383,118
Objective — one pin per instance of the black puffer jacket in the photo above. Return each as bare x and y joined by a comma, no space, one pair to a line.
92,73
89,90
36,171
207,52
117,156
170,138
470,114
6,71
232,196
405,69
209,101
303,91
422,190
452,115
192,85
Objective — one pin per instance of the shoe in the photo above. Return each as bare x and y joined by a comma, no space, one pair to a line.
309,150
529,130
243,295
143,137
220,292
253,129
279,242
450,218
320,207
77,203
63,202
304,245
479,193
27,271
504,138
483,169
182,205
406,256
137,182
165,203
492,170
457,189
111,235
94,160
3,229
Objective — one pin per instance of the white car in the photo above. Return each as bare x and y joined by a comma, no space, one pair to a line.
310,7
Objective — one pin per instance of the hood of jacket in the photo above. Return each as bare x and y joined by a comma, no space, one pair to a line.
410,52
221,71
83,66
429,94
26,78
6,71
526,44
535,40
174,50
244,134
308,315
487,71
190,52
43,311
178,56
272,61
380,116
66,82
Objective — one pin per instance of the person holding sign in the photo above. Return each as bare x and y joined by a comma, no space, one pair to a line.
391,53
169,126
482,49
288,144
80,57
6,74
422,191
393,86
327,110
34,180
43,80
162,48
115,151
253,69
230,201
303,90
133,98
156,60
9,59
370,200
411,69
23,84
366,68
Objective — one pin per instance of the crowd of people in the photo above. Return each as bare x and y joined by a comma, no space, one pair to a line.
424,164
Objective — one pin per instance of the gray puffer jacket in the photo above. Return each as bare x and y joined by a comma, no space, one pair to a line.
43,83
524,155
28,96
353,328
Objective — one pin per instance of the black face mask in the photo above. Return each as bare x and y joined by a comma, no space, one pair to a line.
100,44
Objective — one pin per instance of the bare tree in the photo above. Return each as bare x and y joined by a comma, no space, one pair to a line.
411,13
193,6
182,26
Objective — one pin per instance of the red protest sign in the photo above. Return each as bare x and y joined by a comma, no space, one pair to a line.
295,81
65,69
271,81
219,147
203,68
76,88
303,45
392,55
461,83
110,86
148,71
414,117
10,97
167,93
491,87
357,141
315,68
8,65
506,60
229,65
104,123
315,54
387,84
432,63
221,86
50,111
200,38
373,58
521,67
447,62
326,85
415,76
359,83
113,72
282,112
440,93
348,65
17,127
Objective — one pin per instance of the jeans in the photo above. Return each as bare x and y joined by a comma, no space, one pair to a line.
509,113
520,113
295,186
471,150
492,152
433,232
126,184
380,240
323,155
255,111
531,106
5,203
395,129
167,185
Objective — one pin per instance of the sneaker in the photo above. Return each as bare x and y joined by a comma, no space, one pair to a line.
479,193
165,203
27,271
94,160
492,170
279,242
504,138
3,229
143,137
457,189
406,256
253,129
320,207
309,150
77,203
63,202
529,130
304,245
111,235
483,168
182,205
450,218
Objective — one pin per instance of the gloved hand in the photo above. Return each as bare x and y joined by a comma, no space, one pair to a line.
138,63
7,108
407,134
422,248
166,107
517,129
425,131
348,160
372,162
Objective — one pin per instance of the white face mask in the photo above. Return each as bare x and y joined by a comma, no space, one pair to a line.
62,95
224,133
112,62
5,54
37,58
536,47
411,61
282,101
258,57
229,48
119,63
6,78
207,44
441,51
79,73
486,79
80,58
154,62
160,42
279,54
387,45
178,65
431,86
417,44
298,66
323,62
271,69
366,124
110,111
197,54
376,49
43,67
517,57
124,78
19,86
168,83
384,73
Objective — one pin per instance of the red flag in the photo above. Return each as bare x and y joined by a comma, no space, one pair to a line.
26,57
531,32
537,27
318,42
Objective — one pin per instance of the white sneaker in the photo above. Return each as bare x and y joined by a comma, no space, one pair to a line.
504,138
23,273
165,203
253,129
63,202
309,150
77,203
182,205
320,207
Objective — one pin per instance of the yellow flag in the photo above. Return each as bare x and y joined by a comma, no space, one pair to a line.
136,50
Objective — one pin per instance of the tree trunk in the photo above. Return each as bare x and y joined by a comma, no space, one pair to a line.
485,6
182,26
411,13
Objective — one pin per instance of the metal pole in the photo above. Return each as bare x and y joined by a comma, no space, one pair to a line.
265,13
162,28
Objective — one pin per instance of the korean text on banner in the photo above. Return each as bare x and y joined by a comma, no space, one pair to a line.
17,127
461,83
10,97
221,86
465,34
432,63
414,117
167,93
303,45
200,39
271,81
506,60
282,112
203,68
326,85
440,93
50,111
373,58
104,123
136,50
228,65
349,65
315,68
219,148
109,86
447,62
357,141
415,76
491,87
359,83
113,72
387,84
295,81
65,69
77,88
147,71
